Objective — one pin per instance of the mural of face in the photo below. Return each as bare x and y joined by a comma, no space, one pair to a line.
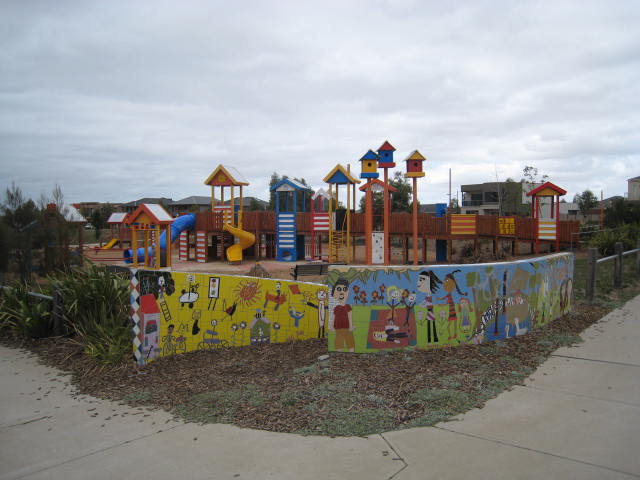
424,284
394,294
321,295
340,291
411,299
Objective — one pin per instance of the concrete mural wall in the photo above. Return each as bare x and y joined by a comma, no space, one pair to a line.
375,308
177,312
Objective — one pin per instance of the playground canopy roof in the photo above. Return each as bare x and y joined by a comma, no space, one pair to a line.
149,213
225,176
321,193
287,185
72,215
377,184
117,217
340,175
547,189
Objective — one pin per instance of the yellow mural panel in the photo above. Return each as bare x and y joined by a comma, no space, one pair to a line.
177,312
507,225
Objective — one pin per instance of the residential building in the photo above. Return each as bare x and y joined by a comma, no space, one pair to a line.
633,189
496,198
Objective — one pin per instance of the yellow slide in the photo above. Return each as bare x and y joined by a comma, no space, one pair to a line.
234,252
111,244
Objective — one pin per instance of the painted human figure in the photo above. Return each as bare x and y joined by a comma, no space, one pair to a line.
341,321
161,287
409,302
465,312
322,299
428,283
449,285
394,301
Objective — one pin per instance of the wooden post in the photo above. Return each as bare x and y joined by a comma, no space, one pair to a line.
387,215
368,223
415,220
617,273
590,287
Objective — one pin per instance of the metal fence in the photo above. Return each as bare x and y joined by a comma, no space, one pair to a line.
608,273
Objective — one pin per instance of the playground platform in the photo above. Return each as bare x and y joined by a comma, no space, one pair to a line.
577,416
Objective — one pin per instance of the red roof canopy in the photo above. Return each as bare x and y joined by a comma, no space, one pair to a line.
548,185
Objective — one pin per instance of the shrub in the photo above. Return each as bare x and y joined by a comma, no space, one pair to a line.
96,302
25,314
606,240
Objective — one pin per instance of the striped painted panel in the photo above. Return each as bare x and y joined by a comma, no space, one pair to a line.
463,224
547,230
321,222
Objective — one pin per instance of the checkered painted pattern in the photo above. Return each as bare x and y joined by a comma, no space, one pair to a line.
134,295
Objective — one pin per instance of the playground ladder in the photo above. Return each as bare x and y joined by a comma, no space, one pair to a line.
337,247
165,309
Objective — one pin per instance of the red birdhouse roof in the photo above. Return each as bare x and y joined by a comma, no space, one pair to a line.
386,146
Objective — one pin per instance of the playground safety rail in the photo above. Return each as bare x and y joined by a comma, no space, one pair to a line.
592,267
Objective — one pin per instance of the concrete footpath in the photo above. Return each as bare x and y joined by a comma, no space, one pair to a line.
578,416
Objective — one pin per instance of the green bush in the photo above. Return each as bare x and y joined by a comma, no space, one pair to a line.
25,314
96,303
606,240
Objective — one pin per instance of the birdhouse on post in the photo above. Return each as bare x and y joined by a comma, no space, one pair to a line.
414,165
385,154
369,165
415,171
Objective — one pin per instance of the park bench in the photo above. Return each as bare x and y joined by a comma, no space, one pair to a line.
307,269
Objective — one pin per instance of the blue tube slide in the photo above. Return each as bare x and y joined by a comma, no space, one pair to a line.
179,225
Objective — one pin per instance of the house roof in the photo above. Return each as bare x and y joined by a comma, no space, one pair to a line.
340,175
154,213
193,200
135,203
547,189
223,175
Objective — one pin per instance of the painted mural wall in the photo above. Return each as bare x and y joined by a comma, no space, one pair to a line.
177,312
375,308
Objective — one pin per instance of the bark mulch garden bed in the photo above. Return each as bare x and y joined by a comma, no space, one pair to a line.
299,387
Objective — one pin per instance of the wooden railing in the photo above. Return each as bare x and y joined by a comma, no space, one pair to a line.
401,224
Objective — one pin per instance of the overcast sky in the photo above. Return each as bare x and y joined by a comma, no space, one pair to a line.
116,100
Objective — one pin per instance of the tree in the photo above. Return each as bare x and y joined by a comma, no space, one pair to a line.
400,199
586,201
531,176
253,205
20,216
275,178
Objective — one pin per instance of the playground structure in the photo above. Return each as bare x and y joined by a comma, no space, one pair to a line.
295,232
548,219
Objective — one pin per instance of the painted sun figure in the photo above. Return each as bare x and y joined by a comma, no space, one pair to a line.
247,292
